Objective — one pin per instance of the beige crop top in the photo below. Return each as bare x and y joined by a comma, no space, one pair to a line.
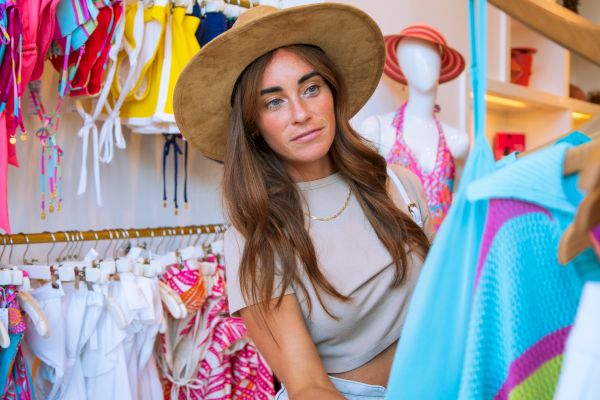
357,264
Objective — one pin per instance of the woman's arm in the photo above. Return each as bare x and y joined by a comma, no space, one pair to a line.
289,350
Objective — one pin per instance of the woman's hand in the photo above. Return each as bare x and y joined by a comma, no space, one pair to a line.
285,343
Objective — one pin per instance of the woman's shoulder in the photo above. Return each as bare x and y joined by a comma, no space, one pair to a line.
233,246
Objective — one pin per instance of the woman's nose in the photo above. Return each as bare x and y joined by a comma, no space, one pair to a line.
300,111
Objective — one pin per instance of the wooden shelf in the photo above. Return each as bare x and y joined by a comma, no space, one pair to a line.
531,99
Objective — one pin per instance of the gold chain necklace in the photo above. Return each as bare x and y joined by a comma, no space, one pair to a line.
337,214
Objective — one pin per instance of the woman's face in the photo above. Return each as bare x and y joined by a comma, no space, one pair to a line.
296,115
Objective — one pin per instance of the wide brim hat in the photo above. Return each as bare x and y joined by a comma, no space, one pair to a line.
202,96
452,63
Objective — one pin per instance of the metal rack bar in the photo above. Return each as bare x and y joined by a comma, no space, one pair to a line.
108,234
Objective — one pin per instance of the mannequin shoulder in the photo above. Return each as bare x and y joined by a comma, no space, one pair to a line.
375,129
458,141
370,129
372,126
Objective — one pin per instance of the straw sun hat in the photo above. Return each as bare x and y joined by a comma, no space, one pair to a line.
202,98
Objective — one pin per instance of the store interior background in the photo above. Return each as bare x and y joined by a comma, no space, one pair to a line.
132,184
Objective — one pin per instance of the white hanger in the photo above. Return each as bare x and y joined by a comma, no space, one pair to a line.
172,301
4,336
5,277
215,6
100,273
33,309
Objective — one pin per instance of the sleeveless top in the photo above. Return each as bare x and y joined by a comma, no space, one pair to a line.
356,263
439,182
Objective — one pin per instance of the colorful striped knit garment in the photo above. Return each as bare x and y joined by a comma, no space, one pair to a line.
524,302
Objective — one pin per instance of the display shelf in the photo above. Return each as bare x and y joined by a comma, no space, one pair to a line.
542,110
551,62
526,99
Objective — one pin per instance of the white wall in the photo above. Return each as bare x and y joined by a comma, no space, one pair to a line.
132,183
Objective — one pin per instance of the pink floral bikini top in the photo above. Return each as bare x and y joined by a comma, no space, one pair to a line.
439,182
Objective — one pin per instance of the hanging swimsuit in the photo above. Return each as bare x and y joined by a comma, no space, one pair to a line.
83,310
187,281
179,47
91,65
4,216
10,110
89,119
439,182
45,34
212,25
11,72
49,351
74,18
139,108
15,379
120,82
30,20
179,357
149,383
104,362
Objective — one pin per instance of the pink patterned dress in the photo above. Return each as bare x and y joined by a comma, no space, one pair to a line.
220,362
439,182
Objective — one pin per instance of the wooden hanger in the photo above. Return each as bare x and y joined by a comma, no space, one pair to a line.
586,160
558,24
592,127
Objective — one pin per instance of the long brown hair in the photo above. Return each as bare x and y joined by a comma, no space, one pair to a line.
264,205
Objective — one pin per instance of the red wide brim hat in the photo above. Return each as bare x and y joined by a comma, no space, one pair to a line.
452,64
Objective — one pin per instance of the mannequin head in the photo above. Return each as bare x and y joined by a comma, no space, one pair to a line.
420,62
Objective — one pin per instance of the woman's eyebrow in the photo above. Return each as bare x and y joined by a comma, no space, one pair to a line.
307,77
303,79
270,90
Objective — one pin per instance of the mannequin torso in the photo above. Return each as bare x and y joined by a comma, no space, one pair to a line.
420,62
420,136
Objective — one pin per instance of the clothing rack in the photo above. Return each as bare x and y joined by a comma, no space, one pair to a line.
243,3
110,234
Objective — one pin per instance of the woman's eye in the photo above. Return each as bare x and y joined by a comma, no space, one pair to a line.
273,104
312,90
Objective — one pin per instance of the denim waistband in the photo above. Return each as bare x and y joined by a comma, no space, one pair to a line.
351,390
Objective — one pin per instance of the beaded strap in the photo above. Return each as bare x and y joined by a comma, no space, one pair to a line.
50,170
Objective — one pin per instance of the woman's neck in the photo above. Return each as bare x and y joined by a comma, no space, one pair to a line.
305,172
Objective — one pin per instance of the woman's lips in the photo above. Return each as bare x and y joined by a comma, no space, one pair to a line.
307,136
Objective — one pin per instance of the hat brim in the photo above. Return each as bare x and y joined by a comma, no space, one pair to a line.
349,37
452,64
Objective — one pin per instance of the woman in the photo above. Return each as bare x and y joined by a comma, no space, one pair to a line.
324,250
